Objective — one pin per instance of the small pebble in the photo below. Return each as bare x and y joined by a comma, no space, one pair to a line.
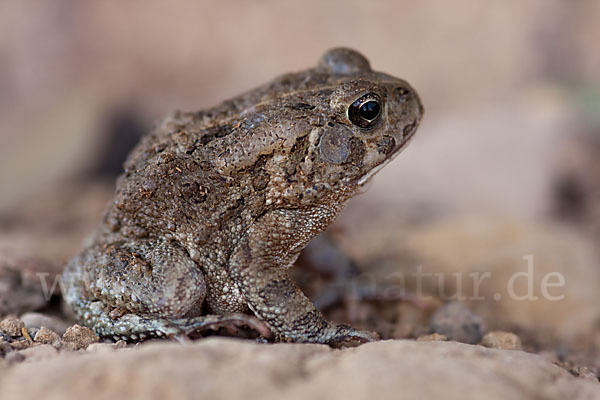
501,340
434,337
46,336
20,344
457,322
69,346
12,326
80,336
585,373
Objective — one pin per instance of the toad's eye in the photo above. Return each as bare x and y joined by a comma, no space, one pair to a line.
365,111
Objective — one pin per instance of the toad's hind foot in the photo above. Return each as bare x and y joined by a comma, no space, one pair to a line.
345,334
232,321
133,327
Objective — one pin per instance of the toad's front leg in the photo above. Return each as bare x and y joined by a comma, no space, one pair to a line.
258,266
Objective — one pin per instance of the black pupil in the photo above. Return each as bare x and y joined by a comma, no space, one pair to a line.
369,110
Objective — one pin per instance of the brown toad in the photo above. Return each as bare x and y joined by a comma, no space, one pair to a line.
215,205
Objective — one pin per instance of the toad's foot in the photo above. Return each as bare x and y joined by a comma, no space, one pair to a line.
230,322
133,327
345,334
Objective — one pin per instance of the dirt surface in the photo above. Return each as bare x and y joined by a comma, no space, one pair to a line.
207,369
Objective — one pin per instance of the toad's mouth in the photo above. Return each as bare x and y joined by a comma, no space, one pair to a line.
365,178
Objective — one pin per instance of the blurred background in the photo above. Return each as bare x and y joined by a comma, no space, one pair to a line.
505,164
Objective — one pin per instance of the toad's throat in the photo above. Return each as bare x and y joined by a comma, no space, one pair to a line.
366,177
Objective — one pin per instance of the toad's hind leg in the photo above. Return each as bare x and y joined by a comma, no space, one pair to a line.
135,327
141,289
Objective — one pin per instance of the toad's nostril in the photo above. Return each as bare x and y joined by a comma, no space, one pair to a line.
401,93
